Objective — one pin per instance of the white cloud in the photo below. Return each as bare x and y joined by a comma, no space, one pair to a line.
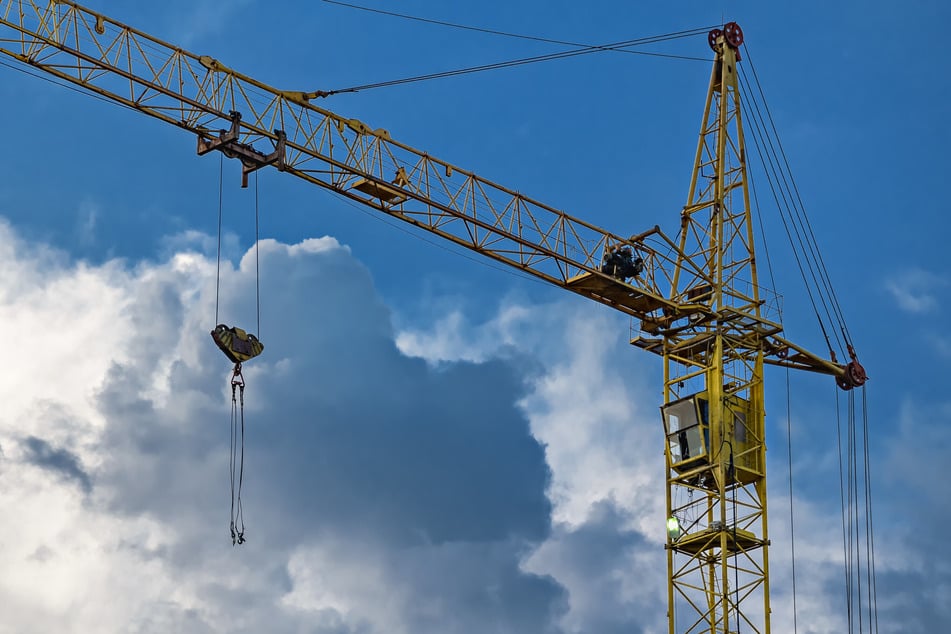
508,480
86,221
589,404
114,457
916,290
451,338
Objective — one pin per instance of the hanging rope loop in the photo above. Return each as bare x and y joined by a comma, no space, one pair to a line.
237,455
237,380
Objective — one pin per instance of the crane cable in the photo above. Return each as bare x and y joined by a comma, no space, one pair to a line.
779,186
795,220
789,452
237,432
238,346
477,29
853,450
792,524
858,536
765,149
621,46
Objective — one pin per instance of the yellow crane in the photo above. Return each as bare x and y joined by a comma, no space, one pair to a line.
696,295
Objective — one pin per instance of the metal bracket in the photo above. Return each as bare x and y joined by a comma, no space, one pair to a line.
251,160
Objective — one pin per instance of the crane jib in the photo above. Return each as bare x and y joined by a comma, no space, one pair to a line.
347,156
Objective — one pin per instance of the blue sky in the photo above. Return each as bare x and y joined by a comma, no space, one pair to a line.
436,445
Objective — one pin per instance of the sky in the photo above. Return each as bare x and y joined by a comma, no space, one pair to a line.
435,445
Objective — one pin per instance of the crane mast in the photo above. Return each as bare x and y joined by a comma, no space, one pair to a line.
717,561
696,295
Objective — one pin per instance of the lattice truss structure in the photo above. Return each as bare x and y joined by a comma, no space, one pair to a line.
713,387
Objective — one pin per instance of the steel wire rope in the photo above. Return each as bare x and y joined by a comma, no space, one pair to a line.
871,523
824,273
525,60
762,231
842,511
762,140
782,207
866,484
498,32
257,257
237,426
221,159
761,136
805,218
857,563
231,456
792,523
68,86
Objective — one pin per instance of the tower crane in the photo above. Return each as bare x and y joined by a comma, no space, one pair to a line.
695,295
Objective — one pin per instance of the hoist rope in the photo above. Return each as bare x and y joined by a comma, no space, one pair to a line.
854,517
792,523
736,567
257,258
856,513
845,558
870,523
614,46
221,159
236,455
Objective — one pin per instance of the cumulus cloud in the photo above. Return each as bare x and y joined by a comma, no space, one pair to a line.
63,462
380,494
457,477
591,406
916,290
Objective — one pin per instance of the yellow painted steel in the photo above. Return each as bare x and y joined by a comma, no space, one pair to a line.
696,298
713,388
264,126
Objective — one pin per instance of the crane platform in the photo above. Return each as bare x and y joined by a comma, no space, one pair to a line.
614,292
709,538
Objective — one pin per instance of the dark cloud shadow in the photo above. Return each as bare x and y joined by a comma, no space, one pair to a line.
62,462
346,439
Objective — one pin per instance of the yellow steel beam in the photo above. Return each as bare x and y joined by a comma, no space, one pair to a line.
285,129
